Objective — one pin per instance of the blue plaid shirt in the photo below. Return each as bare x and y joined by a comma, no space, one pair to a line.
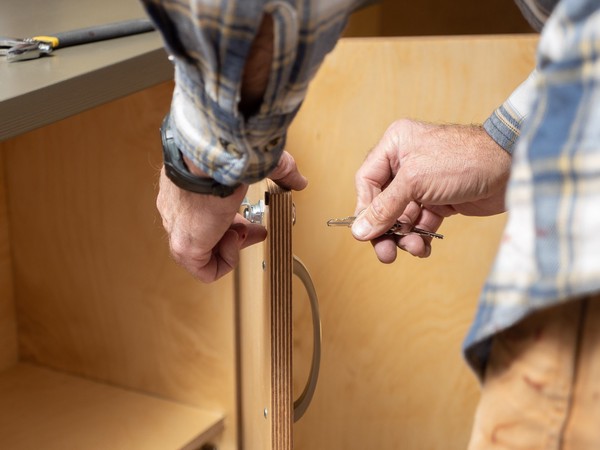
550,250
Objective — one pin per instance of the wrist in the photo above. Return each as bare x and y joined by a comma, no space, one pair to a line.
178,170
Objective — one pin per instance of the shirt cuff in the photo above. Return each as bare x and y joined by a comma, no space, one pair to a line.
504,125
225,145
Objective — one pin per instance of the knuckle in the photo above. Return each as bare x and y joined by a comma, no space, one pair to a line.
178,249
398,126
380,212
286,165
183,248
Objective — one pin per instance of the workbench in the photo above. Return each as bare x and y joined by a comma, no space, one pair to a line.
73,79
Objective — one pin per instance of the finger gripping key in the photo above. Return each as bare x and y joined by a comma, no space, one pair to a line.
399,228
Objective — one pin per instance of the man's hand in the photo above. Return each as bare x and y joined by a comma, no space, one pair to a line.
420,173
206,233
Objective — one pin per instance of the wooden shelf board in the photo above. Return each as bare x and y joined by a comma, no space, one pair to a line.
41,408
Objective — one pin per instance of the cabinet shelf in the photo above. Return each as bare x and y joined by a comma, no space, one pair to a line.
42,408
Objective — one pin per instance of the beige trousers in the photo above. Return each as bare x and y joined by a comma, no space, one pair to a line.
542,385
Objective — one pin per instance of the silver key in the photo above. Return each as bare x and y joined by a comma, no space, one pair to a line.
399,228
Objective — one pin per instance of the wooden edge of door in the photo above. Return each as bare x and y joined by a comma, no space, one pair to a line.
264,327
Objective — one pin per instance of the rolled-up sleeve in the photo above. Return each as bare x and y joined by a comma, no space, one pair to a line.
209,42
504,125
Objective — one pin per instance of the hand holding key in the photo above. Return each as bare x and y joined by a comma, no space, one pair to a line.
420,173
399,228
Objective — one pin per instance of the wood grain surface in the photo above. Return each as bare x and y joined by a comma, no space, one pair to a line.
265,327
279,270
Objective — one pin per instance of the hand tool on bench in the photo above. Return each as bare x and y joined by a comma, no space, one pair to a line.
16,49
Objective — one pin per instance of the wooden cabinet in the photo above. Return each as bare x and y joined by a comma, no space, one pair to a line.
96,296
106,343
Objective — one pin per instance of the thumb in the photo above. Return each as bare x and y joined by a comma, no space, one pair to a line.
287,175
382,212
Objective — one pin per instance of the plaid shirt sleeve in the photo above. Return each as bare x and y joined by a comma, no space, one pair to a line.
550,250
504,125
209,41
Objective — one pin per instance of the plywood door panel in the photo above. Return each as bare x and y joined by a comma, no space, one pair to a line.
97,292
392,374
265,327
8,322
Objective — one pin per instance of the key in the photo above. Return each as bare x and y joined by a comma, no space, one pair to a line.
399,228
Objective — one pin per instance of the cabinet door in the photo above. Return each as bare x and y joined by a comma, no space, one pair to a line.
392,374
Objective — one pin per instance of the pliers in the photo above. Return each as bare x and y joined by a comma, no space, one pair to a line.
34,47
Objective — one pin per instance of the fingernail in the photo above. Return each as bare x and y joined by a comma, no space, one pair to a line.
427,251
361,228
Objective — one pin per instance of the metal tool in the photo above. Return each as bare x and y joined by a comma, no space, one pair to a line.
399,228
16,49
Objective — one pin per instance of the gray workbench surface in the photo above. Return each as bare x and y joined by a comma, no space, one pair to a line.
38,92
